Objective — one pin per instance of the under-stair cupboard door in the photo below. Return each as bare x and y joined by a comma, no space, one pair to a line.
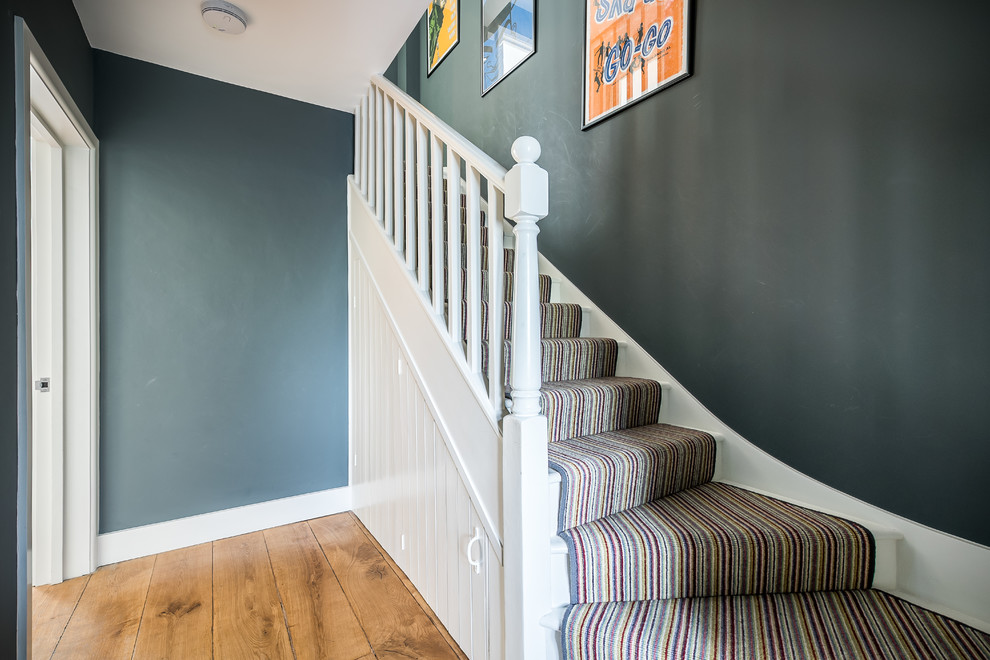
411,489
478,573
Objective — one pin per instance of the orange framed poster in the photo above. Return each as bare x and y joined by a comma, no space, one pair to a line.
443,31
632,49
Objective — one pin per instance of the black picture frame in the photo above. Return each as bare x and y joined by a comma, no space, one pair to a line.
430,65
608,56
499,13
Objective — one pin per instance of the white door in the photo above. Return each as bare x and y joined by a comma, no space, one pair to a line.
46,354
62,304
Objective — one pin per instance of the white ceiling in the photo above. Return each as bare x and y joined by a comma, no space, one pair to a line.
318,51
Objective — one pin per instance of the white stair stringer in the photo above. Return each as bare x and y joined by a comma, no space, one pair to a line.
929,568
551,621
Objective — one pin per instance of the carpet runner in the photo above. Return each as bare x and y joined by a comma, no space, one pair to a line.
667,564
715,540
819,625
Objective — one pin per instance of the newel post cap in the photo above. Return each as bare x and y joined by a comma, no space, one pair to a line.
527,185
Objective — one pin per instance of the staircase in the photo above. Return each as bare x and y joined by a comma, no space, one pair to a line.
662,562
652,554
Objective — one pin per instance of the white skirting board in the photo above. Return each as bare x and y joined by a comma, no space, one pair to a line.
147,540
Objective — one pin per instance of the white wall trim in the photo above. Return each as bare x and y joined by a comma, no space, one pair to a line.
147,540
40,91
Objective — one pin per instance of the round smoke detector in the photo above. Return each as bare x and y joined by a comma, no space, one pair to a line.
224,16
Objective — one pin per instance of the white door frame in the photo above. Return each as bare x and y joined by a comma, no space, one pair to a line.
39,91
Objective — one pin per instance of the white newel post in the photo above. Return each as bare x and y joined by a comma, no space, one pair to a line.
524,432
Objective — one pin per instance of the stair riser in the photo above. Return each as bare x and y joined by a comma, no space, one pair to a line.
556,321
580,413
507,286
560,574
608,473
591,362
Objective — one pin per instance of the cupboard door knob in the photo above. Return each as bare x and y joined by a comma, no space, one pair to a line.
475,563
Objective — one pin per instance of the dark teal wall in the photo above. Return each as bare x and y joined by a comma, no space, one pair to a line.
223,294
799,232
56,26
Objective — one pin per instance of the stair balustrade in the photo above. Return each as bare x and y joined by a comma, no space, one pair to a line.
420,177
703,524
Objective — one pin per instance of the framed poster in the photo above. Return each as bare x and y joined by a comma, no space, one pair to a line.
508,37
443,31
632,48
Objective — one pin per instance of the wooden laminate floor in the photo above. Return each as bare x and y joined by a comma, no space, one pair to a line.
317,589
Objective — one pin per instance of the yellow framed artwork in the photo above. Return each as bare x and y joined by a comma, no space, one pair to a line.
442,32
632,49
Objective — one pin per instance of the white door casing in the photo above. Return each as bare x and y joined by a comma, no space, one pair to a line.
64,502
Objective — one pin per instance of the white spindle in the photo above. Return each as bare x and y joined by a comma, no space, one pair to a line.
398,179
496,381
379,156
473,297
389,164
524,447
422,212
436,220
454,325
358,140
371,132
408,165
363,146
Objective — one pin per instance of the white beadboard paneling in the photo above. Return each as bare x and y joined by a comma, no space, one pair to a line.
430,496
479,596
422,515
461,411
464,570
411,478
444,565
496,634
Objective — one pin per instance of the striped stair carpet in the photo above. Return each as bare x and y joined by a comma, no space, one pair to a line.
664,563
817,625
567,358
668,548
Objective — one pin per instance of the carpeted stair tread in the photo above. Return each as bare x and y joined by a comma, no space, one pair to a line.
610,472
583,407
557,320
566,358
835,625
714,540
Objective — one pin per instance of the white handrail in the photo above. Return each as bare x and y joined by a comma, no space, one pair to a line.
486,165
414,170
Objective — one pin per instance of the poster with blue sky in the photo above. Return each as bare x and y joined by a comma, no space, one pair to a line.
508,38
